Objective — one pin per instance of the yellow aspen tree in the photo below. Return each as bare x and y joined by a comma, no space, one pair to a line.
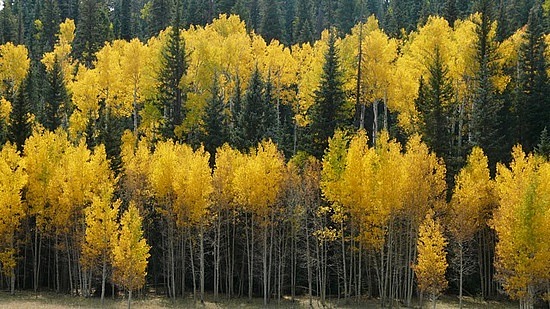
472,204
137,70
130,252
62,51
258,184
13,179
14,65
424,188
193,188
101,225
44,153
136,160
521,225
228,160
431,263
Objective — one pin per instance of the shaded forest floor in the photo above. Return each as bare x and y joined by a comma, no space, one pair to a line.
49,300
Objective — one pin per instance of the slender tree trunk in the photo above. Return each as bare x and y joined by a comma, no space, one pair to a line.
103,278
217,257
36,262
265,276
375,121
461,273
309,270
434,300
56,250
69,260
202,262
12,281
343,247
129,298
193,270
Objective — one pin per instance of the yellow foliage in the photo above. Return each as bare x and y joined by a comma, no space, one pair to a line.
13,179
258,181
14,65
62,50
431,264
181,179
130,251
521,224
473,197
5,109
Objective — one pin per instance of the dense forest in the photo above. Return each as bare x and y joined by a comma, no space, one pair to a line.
251,148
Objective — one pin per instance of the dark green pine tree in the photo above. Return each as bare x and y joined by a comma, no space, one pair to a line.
56,98
485,125
20,126
93,29
543,147
450,11
257,118
224,6
50,18
174,67
272,22
122,21
160,16
289,11
303,22
255,14
68,9
198,12
8,23
346,15
516,14
328,112
533,97
216,122
434,98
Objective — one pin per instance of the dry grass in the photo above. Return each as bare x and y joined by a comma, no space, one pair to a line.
48,300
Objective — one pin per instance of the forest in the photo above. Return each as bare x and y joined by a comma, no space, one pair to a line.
352,149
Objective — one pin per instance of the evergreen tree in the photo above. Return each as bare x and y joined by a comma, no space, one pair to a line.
543,147
327,113
303,22
56,98
271,22
50,19
433,102
532,100
20,126
123,20
257,118
485,125
174,67
92,30
8,23
346,15
450,11
215,122
68,9
160,16
289,11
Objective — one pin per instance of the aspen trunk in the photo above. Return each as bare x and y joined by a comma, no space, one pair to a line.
103,278
129,297
201,266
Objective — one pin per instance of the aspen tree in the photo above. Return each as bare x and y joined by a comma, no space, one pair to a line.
130,252
13,178
431,264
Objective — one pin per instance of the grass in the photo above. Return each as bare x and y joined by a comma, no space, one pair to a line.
50,300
